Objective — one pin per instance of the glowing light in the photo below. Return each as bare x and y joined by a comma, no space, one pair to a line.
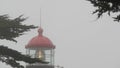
40,55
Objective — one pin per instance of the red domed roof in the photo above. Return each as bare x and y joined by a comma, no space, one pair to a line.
40,41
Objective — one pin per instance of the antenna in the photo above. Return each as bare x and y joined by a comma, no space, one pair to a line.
40,17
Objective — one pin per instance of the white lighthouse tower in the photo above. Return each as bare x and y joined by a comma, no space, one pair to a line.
41,47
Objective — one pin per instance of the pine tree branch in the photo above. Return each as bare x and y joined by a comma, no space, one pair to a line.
10,56
106,6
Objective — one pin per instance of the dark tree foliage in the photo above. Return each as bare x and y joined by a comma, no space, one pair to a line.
107,6
12,28
9,30
10,57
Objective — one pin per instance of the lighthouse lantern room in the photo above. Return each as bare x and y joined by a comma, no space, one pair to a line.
41,47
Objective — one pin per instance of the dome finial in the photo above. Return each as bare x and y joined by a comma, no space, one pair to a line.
40,31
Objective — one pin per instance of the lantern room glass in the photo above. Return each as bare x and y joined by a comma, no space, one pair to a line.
46,55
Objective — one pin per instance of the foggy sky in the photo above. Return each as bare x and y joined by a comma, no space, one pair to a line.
81,40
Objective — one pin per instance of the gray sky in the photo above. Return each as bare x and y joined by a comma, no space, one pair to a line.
81,40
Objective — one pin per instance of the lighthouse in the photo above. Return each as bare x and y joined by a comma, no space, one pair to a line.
42,48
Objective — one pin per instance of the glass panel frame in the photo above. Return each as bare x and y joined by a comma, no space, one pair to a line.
47,53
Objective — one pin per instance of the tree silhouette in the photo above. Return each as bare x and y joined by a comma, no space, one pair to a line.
9,30
107,6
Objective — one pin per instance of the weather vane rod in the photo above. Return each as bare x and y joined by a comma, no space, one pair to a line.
40,17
